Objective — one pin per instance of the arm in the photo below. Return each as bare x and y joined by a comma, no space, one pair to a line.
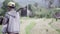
5,19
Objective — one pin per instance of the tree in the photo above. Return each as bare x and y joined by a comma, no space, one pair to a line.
36,4
50,2
59,3
4,7
29,7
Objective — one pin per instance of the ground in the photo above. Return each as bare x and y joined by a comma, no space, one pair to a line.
39,26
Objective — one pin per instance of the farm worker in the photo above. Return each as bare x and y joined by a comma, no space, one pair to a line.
11,21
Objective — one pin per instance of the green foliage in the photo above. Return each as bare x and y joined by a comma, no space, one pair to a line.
0,29
17,6
29,27
41,12
58,30
4,7
1,12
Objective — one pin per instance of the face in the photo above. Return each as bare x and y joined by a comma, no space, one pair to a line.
9,8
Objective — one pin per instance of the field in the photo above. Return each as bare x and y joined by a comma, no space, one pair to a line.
39,26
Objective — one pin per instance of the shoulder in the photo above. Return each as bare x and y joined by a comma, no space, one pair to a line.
6,13
17,12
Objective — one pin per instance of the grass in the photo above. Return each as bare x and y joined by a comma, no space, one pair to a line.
29,27
0,29
53,20
58,30
50,22
21,21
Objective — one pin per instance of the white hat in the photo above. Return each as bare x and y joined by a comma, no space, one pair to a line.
12,4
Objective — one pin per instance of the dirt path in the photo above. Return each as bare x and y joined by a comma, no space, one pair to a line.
42,27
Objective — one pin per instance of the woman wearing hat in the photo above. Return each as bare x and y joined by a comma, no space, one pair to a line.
13,26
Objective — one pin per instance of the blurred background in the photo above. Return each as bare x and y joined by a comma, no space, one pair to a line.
36,16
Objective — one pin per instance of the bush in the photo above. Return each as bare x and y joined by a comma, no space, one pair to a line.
44,12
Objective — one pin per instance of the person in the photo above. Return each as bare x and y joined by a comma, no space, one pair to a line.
11,21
